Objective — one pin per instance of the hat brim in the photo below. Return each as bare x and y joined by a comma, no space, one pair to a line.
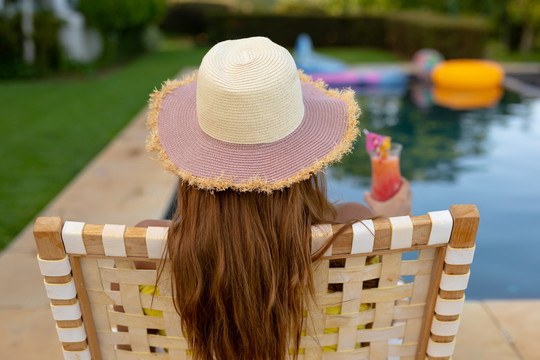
326,133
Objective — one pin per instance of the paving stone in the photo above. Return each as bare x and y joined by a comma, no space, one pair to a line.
520,320
21,282
28,334
122,185
479,337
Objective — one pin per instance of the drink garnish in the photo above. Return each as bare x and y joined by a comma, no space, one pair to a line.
380,143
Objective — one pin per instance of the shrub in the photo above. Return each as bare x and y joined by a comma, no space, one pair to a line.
365,30
10,48
300,8
47,47
120,15
453,37
403,33
122,24
190,18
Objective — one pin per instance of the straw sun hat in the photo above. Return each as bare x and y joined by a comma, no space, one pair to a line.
249,121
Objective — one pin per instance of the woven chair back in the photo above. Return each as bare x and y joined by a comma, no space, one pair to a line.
386,289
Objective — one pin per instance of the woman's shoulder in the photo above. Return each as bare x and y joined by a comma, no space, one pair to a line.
152,222
352,211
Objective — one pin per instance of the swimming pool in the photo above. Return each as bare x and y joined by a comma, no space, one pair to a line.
488,157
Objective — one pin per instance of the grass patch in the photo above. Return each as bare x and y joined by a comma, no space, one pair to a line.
498,52
51,128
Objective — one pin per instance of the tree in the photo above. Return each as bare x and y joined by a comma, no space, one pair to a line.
27,23
122,23
526,12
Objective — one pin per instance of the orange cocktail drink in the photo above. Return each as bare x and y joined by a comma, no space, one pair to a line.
385,173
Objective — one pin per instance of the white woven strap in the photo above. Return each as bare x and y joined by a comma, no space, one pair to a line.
448,307
441,227
61,291
456,256
72,237
435,349
454,282
156,241
320,234
66,312
77,355
54,267
363,237
402,232
113,240
444,328
71,335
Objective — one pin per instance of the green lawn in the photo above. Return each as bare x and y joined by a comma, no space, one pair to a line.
498,52
50,129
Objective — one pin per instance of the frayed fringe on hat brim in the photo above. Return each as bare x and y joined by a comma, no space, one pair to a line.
255,183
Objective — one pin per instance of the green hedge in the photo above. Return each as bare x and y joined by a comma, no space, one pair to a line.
367,30
122,24
47,47
190,18
403,33
453,37
10,47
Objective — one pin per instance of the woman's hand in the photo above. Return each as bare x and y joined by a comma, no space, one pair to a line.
397,205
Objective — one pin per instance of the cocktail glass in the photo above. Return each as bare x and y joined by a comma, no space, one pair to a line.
385,173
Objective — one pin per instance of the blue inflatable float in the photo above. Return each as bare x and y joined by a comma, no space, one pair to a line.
335,72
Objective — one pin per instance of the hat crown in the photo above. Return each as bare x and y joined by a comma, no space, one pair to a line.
249,92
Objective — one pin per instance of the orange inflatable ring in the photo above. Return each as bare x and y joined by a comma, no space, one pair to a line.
466,99
468,74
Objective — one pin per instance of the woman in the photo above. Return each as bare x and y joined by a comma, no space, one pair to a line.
248,138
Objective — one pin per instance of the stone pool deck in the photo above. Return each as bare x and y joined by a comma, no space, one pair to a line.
123,185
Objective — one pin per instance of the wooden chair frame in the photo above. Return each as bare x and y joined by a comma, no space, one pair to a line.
448,236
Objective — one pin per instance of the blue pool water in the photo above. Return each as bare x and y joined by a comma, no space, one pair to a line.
488,157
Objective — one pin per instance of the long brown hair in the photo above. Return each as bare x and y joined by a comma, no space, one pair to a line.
241,266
